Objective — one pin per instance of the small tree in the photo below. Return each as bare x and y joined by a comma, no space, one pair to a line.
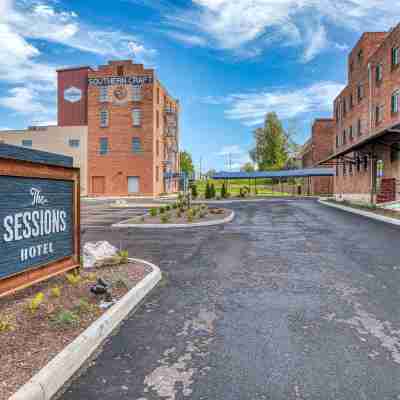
194,191
212,191
223,190
207,193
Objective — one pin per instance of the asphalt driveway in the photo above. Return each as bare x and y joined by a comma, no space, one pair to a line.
292,300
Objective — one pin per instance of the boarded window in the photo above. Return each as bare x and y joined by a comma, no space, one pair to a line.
136,145
136,117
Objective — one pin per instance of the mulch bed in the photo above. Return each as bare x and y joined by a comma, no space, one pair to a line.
379,211
212,214
34,338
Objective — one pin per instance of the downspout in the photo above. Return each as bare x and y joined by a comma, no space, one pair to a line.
372,161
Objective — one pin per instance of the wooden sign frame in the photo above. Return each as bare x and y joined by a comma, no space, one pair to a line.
28,169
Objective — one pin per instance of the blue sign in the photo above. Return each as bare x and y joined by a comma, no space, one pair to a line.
36,223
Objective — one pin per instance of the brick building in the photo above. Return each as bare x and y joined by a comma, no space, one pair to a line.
128,126
367,121
316,149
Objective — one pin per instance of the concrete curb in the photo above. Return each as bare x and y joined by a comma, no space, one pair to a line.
269,199
227,219
363,213
52,377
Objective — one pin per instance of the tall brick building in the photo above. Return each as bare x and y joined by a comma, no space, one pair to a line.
367,121
316,149
125,124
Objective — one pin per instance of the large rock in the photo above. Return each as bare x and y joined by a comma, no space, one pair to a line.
95,254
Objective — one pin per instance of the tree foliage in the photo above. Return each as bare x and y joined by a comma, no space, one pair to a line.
272,145
247,167
186,163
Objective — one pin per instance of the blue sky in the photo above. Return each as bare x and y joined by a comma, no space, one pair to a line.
229,62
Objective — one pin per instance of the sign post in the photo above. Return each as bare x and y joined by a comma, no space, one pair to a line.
39,217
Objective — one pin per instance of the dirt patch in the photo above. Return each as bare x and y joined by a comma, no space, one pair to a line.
372,209
29,339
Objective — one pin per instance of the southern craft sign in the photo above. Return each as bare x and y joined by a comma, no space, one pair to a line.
39,216
121,80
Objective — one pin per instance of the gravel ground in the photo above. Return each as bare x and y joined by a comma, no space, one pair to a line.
292,300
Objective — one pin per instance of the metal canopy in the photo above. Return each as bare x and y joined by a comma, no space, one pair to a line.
290,173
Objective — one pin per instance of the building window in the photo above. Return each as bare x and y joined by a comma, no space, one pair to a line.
103,118
136,145
378,114
344,137
158,95
157,119
395,56
136,93
337,169
350,168
360,92
136,117
365,163
344,168
358,164
351,103
337,140
360,57
103,94
395,101
379,73
74,143
157,173
120,70
359,127
103,145
351,132
344,107
27,142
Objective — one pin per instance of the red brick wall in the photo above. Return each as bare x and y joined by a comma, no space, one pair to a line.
121,162
72,113
377,50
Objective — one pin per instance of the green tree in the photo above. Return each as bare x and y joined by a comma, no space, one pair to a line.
207,193
194,191
271,149
223,191
186,163
248,167
212,191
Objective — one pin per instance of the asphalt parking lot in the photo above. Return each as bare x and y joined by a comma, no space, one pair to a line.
292,300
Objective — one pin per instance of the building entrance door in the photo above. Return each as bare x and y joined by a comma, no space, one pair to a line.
133,184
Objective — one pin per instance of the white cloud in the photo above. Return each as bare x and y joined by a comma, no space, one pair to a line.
247,26
191,40
250,108
230,150
23,100
235,156
21,61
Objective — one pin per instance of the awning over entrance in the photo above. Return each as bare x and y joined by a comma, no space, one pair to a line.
387,136
290,173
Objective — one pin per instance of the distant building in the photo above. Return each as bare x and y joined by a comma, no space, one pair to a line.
120,125
367,122
316,149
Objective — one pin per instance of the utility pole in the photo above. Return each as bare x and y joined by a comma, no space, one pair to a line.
201,159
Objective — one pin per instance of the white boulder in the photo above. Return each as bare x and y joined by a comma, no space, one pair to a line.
96,252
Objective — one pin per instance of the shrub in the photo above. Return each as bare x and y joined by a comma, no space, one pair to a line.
207,192
244,191
5,324
212,191
190,215
175,206
65,319
91,276
84,307
179,214
35,303
73,278
124,256
161,210
55,291
153,212
223,190
194,191
164,218
167,208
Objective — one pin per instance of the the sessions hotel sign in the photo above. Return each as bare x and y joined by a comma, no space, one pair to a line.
38,221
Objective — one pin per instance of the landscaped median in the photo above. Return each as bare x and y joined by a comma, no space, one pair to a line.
373,212
50,329
180,214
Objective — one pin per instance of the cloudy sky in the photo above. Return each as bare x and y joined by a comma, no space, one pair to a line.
229,62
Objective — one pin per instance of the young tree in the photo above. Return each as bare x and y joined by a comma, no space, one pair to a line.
186,163
212,191
272,146
248,167
207,193
194,191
